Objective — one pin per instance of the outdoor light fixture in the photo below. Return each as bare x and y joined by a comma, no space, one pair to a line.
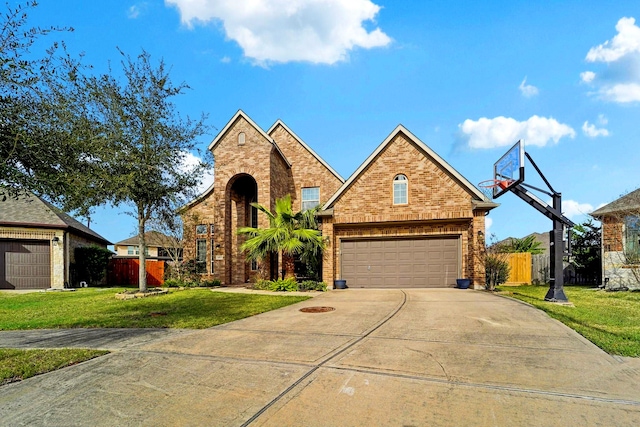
480,233
55,240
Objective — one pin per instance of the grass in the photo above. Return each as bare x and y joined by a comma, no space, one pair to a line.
17,365
611,320
98,308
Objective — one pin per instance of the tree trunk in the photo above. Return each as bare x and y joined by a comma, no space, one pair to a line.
142,256
281,266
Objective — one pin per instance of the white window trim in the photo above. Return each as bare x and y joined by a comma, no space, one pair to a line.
303,201
405,181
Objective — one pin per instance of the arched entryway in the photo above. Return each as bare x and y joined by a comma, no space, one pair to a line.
242,190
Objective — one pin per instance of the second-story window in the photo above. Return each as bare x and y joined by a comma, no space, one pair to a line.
400,190
310,198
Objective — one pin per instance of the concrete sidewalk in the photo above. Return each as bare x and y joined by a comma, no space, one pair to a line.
444,357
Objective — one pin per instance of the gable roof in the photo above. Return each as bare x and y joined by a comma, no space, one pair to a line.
481,199
228,126
27,210
625,203
199,197
153,238
301,142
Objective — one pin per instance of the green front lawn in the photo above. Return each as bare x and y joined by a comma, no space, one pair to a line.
611,320
16,365
98,308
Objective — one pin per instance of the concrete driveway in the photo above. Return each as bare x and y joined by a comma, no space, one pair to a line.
444,357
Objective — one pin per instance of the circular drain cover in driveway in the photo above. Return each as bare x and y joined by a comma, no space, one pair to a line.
316,309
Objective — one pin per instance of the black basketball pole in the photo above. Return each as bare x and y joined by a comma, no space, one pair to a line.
556,281
556,246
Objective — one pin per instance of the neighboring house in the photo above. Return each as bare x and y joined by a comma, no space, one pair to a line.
159,247
37,244
621,241
404,218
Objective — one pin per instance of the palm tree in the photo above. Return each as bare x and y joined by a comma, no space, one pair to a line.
288,233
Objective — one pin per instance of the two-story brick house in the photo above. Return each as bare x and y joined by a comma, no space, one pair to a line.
405,218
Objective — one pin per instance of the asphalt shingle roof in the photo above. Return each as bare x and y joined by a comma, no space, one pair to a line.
31,211
625,203
153,238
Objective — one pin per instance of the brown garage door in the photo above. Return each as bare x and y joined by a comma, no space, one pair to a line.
400,263
25,264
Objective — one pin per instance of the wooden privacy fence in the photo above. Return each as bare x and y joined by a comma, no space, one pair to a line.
520,268
540,268
124,272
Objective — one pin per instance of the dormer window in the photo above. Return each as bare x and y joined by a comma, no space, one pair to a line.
400,187
241,138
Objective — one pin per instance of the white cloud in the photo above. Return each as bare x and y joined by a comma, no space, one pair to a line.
133,12
279,31
527,90
602,119
572,209
621,81
190,161
625,42
225,60
137,9
622,93
504,131
591,131
587,76
488,222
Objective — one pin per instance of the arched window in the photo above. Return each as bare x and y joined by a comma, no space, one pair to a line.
400,190
241,138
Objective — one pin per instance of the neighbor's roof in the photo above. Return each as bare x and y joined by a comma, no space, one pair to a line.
153,238
481,200
301,142
625,203
31,211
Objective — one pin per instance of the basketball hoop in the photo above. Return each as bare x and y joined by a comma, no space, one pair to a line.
488,187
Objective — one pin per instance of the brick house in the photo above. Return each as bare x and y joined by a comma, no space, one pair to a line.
621,241
37,244
159,247
404,218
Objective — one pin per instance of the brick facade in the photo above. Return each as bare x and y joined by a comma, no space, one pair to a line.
440,201
276,168
439,205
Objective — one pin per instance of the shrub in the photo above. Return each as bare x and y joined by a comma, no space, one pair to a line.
312,285
262,284
173,283
496,270
284,285
91,263
210,283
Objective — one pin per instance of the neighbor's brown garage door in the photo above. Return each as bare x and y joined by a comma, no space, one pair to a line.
25,264
400,263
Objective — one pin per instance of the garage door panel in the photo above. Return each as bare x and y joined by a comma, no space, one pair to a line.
426,262
25,264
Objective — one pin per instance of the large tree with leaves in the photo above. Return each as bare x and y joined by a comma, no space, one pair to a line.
46,138
289,233
146,143
586,241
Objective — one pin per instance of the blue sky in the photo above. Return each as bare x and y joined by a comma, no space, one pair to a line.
468,78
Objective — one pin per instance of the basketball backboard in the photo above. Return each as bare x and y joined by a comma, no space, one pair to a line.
508,171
